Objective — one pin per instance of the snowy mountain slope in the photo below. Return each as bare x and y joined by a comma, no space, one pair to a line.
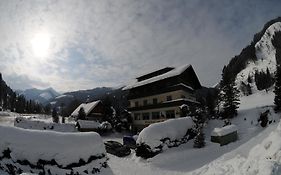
41,96
265,54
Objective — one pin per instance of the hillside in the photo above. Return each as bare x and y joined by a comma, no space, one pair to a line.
255,66
10,101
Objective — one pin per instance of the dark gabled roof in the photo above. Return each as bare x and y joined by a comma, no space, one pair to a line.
172,73
155,73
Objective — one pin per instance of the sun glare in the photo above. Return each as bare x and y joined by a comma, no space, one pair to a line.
40,44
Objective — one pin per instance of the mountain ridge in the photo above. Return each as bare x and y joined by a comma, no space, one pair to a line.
257,62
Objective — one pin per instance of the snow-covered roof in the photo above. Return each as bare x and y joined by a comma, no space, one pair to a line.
88,124
172,73
224,130
180,99
88,107
182,84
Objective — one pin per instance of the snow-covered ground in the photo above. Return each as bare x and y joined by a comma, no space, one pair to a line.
187,160
254,142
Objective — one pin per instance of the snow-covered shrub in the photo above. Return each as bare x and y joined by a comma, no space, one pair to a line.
25,123
106,126
199,140
47,152
163,135
89,125
264,118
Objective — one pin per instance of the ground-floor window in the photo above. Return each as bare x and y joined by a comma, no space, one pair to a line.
170,114
145,116
137,116
155,115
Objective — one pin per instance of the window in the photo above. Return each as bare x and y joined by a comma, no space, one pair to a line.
145,116
155,115
170,114
144,102
136,104
155,101
137,116
182,96
169,98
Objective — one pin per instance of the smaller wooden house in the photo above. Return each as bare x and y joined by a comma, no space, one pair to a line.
94,111
224,135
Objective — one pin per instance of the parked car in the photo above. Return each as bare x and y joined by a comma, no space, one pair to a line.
117,149
129,141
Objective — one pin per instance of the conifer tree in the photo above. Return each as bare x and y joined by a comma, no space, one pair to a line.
55,116
229,95
81,114
199,140
277,90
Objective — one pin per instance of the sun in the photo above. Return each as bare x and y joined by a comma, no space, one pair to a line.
40,44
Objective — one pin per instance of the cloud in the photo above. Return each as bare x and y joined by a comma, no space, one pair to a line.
108,43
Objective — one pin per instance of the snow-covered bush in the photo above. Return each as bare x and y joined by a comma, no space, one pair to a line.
25,123
163,135
199,140
47,152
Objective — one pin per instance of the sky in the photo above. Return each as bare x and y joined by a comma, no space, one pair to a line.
71,45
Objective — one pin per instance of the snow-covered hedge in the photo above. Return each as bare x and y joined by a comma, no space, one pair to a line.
48,152
169,133
89,125
25,123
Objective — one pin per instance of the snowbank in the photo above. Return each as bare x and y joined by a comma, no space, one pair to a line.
42,125
264,158
46,152
224,130
174,129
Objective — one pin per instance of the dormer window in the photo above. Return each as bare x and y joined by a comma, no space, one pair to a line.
169,98
155,101
144,102
136,104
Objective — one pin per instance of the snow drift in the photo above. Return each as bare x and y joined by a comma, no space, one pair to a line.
25,123
164,133
48,152
264,158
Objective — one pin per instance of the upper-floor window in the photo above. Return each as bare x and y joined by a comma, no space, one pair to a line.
169,98
137,116
144,102
170,114
145,116
155,101
155,115
136,104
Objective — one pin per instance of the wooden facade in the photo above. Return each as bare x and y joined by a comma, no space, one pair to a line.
157,96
